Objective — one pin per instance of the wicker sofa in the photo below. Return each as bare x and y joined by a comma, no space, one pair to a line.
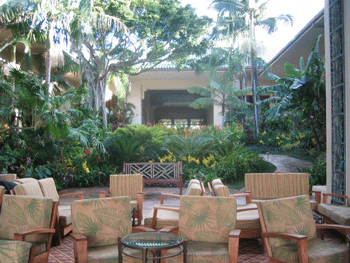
265,186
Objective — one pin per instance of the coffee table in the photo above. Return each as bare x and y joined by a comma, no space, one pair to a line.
154,242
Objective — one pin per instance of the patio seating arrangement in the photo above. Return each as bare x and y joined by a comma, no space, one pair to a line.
208,225
333,213
26,228
130,185
247,215
97,224
289,232
265,186
165,215
47,188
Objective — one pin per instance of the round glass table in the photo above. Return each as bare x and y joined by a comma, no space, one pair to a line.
154,242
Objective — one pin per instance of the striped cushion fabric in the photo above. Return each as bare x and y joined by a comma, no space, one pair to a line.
126,185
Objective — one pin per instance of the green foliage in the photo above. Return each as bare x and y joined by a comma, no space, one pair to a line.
318,172
301,95
232,166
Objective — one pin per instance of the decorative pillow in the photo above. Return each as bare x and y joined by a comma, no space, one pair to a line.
291,215
207,219
102,220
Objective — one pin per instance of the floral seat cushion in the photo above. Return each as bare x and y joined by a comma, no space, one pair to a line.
14,251
102,221
320,251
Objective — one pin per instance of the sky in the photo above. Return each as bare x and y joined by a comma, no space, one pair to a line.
301,10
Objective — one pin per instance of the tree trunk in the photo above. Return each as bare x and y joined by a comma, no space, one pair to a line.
48,59
253,73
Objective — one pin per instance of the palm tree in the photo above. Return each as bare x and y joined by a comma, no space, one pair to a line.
240,18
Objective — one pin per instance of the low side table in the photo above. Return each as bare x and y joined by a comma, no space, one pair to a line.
154,242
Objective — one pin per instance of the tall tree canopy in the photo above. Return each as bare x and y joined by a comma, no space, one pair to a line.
240,18
132,36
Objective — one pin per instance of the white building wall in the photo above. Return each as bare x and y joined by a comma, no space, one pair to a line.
135,97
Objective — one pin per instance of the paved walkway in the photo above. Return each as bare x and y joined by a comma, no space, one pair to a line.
285,163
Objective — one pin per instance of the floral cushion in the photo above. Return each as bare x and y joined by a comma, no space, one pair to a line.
291,215
30,189
320,251
207,219
14,251
48,188
201,252
109,254
102,220
20,213
126,185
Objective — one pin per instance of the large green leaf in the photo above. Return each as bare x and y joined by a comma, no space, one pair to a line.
84,224
15,214
112,217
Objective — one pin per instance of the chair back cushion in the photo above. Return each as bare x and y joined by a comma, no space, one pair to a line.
48,188
102,220
8,177
194,190
21,213
25,180
191,182
293,184
30,189
221,190
207,219
14,251
216,181
291,215
126,185
262,185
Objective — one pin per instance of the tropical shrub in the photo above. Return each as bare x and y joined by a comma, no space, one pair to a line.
318,172
232,166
